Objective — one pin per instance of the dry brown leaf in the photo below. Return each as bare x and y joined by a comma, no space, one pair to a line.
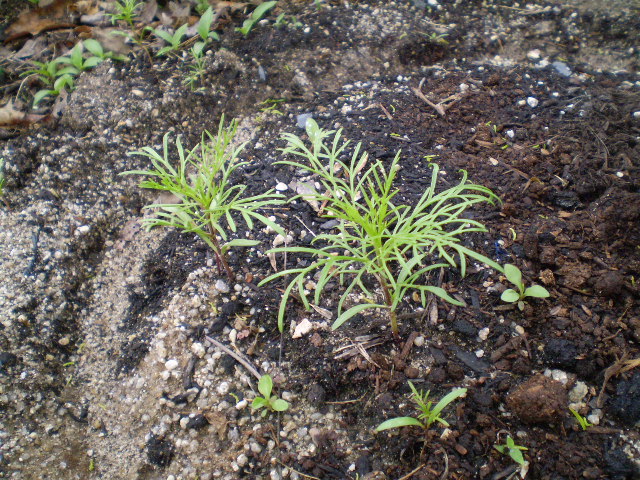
10,117
32,22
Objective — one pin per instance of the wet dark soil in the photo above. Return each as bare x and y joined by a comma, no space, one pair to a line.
566,170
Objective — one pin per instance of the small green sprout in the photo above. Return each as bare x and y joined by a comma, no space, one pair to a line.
514,451
204,26
514,275
174,40
197,68
95,48
582,421
125,10
46,72
428,415
76,61
255,17
270,403
63,83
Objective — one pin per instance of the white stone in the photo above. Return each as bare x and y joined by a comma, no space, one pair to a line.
221,286
302,328
242,460
282,187
278,240
84,229
484,333
636,114
223,388
171,364
532,102
578,392
534,54
419,341
510,133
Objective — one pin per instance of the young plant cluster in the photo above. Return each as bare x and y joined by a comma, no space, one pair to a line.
59,74
205,198
377,237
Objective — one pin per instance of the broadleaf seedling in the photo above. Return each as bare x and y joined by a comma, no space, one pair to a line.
270,403
174,40
514,275
428,415
255,17
514,451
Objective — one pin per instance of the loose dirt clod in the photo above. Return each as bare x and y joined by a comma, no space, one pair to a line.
538,400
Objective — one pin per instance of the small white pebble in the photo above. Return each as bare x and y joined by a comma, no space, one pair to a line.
636,114
519,330
221,286
510,133
419,341
223,388
282,187
171,364
484,333
479,353
532,102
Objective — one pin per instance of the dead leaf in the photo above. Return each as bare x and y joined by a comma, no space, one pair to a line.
11,118
32,22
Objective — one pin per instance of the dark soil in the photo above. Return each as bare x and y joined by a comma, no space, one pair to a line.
566,171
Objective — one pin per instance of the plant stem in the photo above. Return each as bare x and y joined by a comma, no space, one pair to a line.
389,301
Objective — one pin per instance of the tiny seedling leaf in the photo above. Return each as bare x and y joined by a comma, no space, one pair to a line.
536,291
94,47
265,385
279,405
259,402
513,274
352,312
398,423
510,296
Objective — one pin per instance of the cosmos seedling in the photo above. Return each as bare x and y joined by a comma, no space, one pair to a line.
267,401
125,10
377,236
582,421
514,451
514,275
428,415
204,194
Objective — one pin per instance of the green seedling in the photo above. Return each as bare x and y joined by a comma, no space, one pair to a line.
63,83
267,401
204,26
46,72
76,61
255,17
514,451
201,6
377,238
582,421
204,194
174,40
514,275
95,48
428,415
197,68
126,11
